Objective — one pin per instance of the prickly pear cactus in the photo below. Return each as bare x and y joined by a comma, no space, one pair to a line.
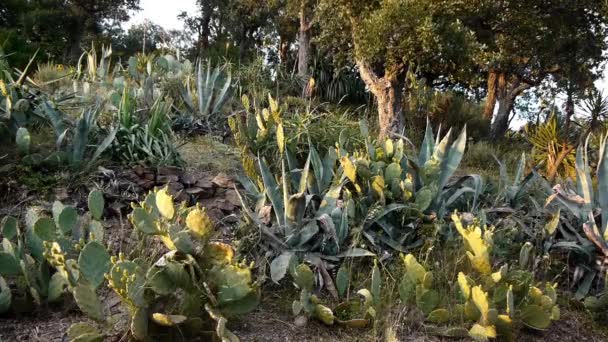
416,287
193,266
498,298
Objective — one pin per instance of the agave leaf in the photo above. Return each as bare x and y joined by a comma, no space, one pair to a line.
583,176
222,95
104,144
602,187
441,149
428,144
453,159
520,169
278,266
273,192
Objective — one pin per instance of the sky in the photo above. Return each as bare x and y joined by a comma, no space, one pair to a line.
163,12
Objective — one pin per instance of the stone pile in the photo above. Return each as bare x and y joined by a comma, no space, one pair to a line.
215,192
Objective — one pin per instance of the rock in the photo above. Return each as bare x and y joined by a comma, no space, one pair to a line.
164,179
232,197
145,184
149,176
139,170
207,186
182,196
223,181
215,214
195,191
208,203
168,170
225,206
231,219
175,187
188,179
300,321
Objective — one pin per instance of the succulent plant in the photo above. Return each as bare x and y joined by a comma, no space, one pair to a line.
65,255
508,290
416,288
586,203
193,269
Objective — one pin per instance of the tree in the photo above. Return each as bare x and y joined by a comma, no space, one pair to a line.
86,17
146,37
58,27
388,39
524,42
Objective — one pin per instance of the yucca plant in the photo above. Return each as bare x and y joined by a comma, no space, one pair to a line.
97,67
550,149
141,141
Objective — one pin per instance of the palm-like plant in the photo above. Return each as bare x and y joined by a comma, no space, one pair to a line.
595,106
550,149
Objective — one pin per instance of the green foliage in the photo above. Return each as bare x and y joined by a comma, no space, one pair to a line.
350,313
416,288
141,142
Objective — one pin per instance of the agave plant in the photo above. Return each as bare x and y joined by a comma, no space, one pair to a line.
512,192
394,192
211,93
587,203
309,222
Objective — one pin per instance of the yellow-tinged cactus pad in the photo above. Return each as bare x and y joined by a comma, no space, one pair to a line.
478,247
480,298
164,203
168,320
481,333
199,223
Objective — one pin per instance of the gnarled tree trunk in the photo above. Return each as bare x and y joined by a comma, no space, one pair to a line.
506,91
388,91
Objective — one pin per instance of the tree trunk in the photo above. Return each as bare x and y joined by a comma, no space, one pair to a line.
501,121
388,91
205,29
75,38
390,109
303,42
488,110
283,50
506,92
